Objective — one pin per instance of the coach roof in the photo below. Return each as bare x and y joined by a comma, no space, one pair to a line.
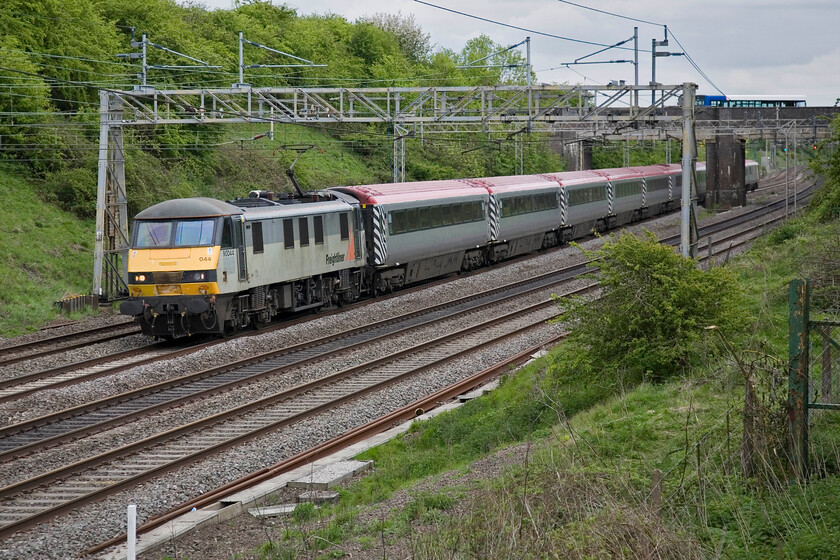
391,193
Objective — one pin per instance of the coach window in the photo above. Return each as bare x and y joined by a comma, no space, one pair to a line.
424,218
303,227
257,234
411,219
318,222
397,222
436,213
344,225
289,234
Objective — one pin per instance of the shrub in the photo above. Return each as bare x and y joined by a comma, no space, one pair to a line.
75,190
650,318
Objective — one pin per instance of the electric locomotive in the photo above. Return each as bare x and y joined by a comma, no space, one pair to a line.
199,265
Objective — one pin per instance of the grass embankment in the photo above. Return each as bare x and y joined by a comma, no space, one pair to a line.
578,483
46,254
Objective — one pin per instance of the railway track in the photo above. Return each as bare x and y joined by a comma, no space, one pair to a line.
56,344
92,417
65,425
171,451
87,370
381,423
85,480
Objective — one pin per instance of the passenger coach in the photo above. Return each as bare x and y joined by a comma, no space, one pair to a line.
422,230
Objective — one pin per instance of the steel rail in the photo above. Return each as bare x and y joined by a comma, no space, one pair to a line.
337,443
23,346
200,375
349,438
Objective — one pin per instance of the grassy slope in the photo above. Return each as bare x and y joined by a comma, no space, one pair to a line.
46,254
588,480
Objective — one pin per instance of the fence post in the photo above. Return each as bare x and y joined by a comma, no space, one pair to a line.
825,395
656,491
798,377
131,533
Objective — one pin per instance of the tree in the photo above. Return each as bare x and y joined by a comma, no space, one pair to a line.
654,305
508,66
826,164
413,42
70,42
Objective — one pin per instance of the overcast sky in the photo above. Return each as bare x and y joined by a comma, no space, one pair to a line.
743,46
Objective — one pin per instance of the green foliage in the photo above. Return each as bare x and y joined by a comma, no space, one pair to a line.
825,205
37,269
79,39
413,42
582,488
653,309
304,512
638,153
508,66
75,190
59,54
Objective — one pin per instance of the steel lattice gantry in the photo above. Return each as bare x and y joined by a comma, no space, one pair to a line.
588,111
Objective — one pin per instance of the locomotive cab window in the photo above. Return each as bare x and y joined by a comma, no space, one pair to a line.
227,236
180,233
189,233
345,226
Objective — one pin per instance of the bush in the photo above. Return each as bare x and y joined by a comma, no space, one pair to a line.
75,190
650,318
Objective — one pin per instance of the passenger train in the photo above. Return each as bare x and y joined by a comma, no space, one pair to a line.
751,100
200,265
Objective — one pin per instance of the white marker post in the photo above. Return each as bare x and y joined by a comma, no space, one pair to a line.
131,545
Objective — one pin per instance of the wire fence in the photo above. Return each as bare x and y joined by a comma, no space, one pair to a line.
823,397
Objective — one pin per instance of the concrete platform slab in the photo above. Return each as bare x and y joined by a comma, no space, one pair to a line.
330,475
273,511
318,497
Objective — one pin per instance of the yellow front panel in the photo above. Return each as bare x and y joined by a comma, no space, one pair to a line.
151,290
178,258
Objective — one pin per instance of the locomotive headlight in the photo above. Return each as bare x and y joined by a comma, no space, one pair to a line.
140,277
192,276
